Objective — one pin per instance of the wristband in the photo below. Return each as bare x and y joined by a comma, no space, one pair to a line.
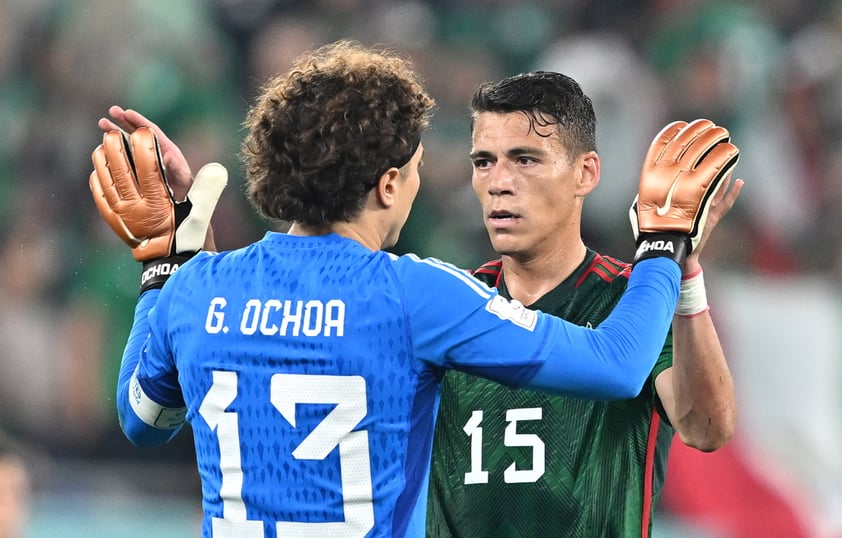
692,297
157,271
675,246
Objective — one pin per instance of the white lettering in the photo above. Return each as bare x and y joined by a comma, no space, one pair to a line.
313,318
283,318
164,269
335,317
251,314
268,307
291,318
659,245
215,319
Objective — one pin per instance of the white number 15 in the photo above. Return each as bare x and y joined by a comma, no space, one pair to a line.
512,475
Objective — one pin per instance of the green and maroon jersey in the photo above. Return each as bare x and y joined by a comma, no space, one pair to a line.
518,463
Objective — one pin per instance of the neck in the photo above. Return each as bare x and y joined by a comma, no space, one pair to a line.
528,278
350,230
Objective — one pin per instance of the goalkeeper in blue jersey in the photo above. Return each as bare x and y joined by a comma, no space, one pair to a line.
309,363
525,464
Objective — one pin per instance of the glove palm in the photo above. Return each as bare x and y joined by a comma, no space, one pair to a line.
131,192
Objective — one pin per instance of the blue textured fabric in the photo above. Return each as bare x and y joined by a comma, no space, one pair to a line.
310,369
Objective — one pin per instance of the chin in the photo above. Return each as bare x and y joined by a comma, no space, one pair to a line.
505,248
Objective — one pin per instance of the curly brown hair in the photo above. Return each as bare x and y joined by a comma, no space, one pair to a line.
320,135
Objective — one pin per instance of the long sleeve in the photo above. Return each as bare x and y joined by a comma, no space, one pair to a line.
481,333
615,359
144,421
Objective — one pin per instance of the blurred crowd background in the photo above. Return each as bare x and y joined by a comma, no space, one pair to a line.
769,70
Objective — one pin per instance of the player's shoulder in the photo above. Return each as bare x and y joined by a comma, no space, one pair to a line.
434,272
607,269
414,263
490,272
197,269
200,260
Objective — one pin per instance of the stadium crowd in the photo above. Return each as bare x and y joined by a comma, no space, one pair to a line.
771,71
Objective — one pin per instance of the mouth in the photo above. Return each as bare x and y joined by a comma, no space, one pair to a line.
501,214
502,218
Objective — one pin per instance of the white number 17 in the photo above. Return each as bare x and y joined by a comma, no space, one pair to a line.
336,430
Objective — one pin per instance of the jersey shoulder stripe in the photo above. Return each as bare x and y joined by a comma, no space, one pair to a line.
490,272
465,276
606,268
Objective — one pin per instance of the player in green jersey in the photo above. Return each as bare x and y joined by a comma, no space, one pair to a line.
523,464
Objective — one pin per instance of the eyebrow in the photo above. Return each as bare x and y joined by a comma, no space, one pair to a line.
513,152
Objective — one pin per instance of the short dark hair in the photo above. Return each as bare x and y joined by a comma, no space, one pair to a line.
547,99
320,135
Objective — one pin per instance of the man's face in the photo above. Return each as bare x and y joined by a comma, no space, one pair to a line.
529,190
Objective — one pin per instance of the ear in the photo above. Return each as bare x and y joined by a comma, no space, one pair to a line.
588,178
387,188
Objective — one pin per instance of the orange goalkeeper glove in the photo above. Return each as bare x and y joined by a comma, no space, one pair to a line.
684,167
131,192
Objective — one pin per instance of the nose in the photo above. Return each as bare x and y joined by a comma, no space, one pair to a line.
501,180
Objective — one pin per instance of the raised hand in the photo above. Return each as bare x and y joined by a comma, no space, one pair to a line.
132,193
178,172
685,167
722,203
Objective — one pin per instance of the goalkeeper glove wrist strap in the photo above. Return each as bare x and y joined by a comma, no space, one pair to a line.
675,246
157,271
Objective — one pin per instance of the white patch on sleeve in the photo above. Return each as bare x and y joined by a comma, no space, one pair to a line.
513,311
152,413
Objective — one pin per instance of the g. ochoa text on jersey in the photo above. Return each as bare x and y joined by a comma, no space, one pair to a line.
271,317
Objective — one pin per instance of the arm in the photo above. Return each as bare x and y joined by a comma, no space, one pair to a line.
144,420
481,333
132,193
615,359
697,392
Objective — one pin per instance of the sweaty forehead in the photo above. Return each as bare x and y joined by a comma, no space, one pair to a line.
494,131
495,121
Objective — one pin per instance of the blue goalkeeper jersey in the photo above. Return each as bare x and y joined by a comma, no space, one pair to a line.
309,369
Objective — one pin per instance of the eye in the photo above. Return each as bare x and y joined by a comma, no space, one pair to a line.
481,163
523,159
